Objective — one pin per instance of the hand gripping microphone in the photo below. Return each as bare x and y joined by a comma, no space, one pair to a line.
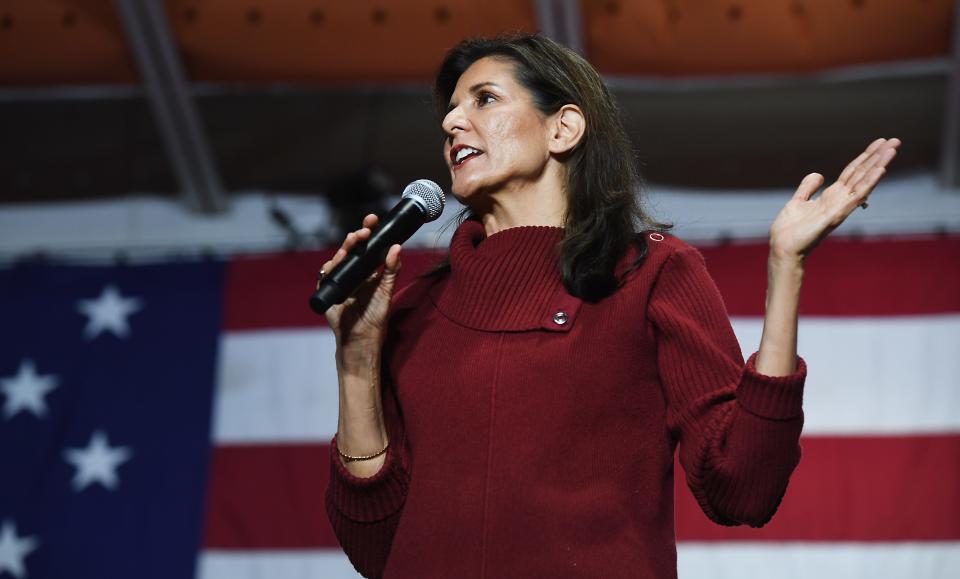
422,202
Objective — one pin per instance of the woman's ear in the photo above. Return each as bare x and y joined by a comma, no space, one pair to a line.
567,128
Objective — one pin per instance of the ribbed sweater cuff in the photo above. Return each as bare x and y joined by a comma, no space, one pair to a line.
775,397
367,499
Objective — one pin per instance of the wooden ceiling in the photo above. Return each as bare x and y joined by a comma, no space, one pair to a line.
296,95
376,41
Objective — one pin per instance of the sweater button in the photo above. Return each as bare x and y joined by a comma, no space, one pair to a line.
560,318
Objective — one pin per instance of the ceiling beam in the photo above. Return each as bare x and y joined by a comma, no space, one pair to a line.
155,51
950,144
561,21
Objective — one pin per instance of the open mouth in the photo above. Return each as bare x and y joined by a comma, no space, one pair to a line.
463,153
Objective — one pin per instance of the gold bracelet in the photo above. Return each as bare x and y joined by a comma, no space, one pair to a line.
348,458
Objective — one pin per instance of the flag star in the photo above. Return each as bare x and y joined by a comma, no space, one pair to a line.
14,549
26,391
108,312
97,463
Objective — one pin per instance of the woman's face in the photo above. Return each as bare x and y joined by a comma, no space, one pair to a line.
497,140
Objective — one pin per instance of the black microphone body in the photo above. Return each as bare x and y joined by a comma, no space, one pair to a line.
402,221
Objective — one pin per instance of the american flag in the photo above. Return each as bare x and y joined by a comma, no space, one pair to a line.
173,420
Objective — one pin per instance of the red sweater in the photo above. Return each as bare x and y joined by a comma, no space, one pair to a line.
532,434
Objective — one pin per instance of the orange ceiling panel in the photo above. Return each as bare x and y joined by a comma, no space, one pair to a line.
62,42
332,40
255,41
695,37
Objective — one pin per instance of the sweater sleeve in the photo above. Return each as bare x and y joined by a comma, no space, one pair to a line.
364,512
738,430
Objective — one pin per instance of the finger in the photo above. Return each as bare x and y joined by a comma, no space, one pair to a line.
866,185
810,184
390,270
391,265
341,253
871,162
353,238
856,163
880,159
324,271
871,149
392,262
864,166
370,221
349,242
888,155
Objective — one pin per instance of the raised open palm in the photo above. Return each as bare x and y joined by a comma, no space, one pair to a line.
805,221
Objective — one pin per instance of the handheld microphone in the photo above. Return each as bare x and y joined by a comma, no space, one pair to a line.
422,202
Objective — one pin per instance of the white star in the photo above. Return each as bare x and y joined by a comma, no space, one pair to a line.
97,463
26,390
14,549
108,313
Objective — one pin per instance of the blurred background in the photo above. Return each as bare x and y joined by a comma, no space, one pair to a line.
172,174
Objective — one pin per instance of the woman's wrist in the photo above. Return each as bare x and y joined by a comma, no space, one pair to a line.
784,273
362,438
360,389
358,462
358,359
361,410
360,458
785,261
778,343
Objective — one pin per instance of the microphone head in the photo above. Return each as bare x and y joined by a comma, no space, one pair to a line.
428,195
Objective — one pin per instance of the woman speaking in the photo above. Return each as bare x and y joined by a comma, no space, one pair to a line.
515,412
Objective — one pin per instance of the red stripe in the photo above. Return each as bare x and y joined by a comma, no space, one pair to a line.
849,277
870,488
272,291
904,488
845,277
268,497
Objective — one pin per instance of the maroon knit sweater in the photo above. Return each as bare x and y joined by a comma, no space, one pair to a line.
532,434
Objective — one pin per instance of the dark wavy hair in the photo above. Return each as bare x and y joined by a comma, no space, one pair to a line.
603,182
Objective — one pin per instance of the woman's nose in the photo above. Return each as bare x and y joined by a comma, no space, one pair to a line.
454,121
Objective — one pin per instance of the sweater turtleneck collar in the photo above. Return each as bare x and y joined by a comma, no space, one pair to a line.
508,281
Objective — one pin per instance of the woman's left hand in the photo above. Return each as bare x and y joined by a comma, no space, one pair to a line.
804,222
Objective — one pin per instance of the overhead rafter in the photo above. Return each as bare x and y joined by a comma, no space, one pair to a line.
950,151
561,21
148,35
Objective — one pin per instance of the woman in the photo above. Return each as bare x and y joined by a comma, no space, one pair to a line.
516,413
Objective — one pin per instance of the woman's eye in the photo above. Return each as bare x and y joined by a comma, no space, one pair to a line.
485,98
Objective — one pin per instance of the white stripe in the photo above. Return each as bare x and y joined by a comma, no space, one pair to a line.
276,386
866,376
875,375
694,561
318,564
818,560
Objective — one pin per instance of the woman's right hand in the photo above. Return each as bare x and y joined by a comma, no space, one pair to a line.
360,322
360,325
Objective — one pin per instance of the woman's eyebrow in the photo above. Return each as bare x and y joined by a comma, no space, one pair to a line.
473,90
483,84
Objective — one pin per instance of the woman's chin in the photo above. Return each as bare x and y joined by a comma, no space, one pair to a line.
473,193
465,200
462,191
